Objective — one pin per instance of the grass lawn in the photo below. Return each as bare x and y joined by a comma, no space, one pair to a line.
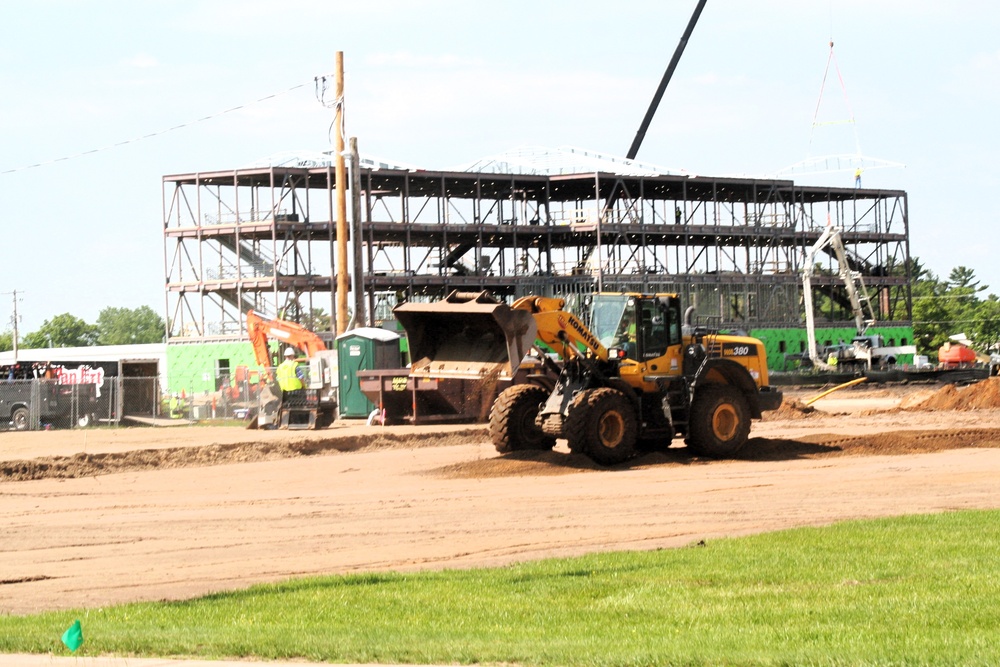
916,590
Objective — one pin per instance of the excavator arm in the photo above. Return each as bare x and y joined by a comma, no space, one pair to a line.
262,330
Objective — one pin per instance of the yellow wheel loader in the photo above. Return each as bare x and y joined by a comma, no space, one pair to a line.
621,373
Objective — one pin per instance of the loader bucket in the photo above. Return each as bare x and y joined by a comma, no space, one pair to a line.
466,334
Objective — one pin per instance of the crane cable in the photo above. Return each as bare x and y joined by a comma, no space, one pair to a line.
832,58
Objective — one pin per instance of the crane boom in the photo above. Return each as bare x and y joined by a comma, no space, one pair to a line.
853,282
667,75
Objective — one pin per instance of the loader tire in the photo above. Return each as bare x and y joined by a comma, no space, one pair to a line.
602,424
512,420
574,425
720,421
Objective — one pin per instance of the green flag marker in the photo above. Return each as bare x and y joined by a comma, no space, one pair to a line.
73,637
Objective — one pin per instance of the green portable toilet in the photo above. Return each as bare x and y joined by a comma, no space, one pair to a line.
364,349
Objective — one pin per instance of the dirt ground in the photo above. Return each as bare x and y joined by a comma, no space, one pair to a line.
102,516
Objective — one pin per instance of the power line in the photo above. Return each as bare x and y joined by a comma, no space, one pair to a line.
156,133
947,296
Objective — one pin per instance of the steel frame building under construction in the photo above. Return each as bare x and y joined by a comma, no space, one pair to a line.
732,247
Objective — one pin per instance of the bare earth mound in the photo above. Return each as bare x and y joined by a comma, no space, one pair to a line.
97,517
790,408
982,395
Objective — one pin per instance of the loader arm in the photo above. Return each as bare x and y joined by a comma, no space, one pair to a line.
561,330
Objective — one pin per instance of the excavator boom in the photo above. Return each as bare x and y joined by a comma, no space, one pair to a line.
853,283
262,330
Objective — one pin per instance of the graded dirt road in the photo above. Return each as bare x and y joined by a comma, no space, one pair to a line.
96,517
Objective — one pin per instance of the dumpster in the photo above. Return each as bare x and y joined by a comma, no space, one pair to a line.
363,349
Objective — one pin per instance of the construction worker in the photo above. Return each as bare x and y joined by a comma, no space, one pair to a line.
626,335
287,373
176,409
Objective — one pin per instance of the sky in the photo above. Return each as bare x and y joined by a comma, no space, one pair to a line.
101,99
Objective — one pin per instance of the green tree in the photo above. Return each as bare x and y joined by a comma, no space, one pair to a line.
965,278
128,326
317,320
62,331
964,301
986,329
314,319
930,316
6,341
942,308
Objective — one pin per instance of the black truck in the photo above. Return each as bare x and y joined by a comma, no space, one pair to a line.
34,395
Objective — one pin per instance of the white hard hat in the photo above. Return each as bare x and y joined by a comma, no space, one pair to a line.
289,352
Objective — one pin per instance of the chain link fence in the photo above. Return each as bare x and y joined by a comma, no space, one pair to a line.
42,404
46,403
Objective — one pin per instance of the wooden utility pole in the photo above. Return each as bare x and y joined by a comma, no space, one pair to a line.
13,320
343,279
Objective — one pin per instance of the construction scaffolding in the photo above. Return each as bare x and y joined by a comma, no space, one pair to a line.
732,247
241,240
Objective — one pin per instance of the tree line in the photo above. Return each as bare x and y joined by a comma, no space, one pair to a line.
114,326
958,304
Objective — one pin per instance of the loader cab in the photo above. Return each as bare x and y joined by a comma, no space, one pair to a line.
660,324
643,326
608,316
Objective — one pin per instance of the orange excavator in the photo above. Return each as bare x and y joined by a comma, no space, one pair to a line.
316,405
263,330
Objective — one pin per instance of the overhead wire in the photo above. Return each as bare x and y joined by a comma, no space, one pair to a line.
157,133
832,59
